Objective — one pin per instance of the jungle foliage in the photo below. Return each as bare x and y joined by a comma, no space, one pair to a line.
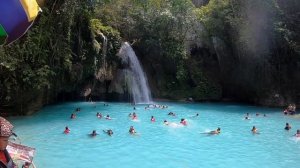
236,49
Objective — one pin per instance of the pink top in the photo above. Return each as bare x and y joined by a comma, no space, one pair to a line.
183,123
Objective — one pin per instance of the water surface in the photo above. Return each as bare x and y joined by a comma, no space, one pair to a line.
158,145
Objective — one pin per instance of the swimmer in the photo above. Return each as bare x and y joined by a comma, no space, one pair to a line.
166,122
152,119
73,116
257,114
134,116
171,114
265,115
134,108
247,118
129,115
183,122
215,132
132,130
109,132
93,134
254,130
287,126
297,134
67,130
99,115
195,115
107,117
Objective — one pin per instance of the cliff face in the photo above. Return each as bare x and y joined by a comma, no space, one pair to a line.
244,51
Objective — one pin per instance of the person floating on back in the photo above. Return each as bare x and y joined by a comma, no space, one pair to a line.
287,126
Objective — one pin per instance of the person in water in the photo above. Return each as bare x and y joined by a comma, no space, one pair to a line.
5,132
99,115
166,122
254,130
152,119
134,116
107,117
297,134
195,115
132,130
217,131
287,126
109,132
183,122
94,133
67,130
73,116
172,114
247,117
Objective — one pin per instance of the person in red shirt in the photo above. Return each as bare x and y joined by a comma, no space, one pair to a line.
5,132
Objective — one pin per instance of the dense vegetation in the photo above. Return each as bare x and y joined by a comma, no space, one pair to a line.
230,49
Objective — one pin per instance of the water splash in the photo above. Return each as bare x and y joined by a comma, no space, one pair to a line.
136,80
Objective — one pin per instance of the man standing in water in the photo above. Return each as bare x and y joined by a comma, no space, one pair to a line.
5,132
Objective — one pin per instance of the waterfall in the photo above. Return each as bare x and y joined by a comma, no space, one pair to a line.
101,74
104,48
136,80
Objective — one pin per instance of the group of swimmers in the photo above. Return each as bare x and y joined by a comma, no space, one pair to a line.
290,110
183,122
287,126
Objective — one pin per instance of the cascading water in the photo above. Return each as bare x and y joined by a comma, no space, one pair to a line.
101,74
104,48
136,80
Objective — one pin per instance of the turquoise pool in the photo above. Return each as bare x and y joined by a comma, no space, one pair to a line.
158,145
